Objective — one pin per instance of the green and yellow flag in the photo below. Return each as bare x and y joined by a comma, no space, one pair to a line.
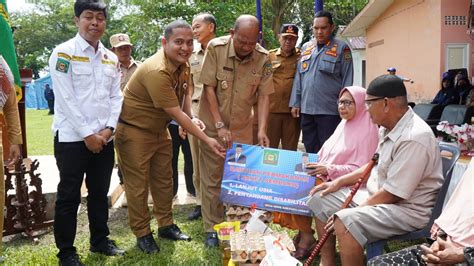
7,49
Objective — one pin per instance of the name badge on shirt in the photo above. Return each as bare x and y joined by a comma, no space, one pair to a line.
80,58
108,62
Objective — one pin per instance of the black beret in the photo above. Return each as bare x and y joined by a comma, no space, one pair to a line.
389,86
97,5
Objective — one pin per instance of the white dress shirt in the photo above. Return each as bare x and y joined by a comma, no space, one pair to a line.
86,88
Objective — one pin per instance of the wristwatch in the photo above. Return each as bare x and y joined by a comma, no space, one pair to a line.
219,125
111,128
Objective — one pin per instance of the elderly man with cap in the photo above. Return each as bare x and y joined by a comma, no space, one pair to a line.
238,73
402,187
282,126
88,103
122,47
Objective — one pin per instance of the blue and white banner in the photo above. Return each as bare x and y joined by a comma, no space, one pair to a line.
270,179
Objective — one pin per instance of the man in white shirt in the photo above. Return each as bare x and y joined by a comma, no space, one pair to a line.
88,103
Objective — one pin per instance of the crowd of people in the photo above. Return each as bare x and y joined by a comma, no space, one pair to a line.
228,89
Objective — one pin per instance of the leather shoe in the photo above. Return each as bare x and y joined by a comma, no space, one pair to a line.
211,240
172,232
147,244
71,260
108,248
195,214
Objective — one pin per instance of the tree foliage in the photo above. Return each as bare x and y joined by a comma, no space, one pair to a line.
37,33
51,22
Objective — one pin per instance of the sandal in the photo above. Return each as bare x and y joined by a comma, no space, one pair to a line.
303,253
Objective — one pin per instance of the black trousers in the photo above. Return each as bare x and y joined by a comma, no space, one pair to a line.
51,107
317,129
178,142
74,160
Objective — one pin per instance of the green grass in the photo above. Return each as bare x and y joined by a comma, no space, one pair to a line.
39,137
21,251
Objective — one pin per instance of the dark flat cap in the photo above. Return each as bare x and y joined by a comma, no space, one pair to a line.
97,5
389,86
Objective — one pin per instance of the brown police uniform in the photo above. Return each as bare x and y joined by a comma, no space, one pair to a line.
126,73
195,62
237,84
142,140
281,125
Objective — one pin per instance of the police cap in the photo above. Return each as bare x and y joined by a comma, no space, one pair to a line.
289,29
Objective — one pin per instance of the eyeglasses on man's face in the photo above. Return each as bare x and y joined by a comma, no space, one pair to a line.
368,102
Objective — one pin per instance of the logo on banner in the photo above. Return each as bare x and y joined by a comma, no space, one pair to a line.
270,157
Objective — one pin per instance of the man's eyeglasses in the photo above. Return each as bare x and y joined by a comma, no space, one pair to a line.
368,102
345,103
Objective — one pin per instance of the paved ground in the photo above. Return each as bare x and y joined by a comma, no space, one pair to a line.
50,176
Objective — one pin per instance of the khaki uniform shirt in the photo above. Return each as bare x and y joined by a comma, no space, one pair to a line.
156,84
9,109
12,120
284,69
195,63
237,84
409,167
126,73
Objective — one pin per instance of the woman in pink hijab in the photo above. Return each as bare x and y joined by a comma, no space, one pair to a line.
351,145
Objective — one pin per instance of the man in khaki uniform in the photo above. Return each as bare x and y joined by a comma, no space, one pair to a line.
204,30
122,47
9,108
281,124
156,94
236,70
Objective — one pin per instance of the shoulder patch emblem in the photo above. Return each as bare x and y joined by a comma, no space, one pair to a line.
267,68
62,65
347,54
304,65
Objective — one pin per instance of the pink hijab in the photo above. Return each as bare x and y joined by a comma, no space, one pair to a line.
354,141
